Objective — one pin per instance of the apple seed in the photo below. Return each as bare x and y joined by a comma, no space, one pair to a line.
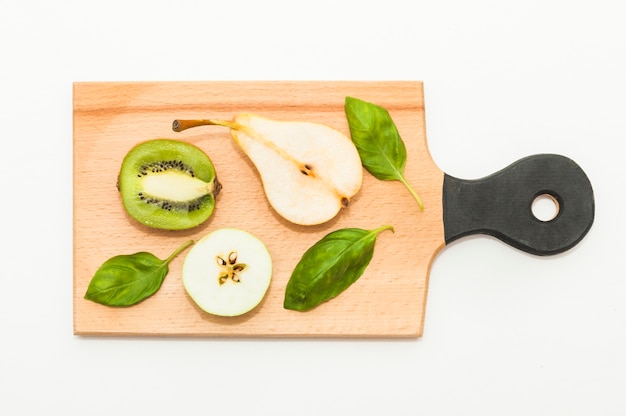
230,269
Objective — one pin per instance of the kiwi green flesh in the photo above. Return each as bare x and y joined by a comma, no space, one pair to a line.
168,184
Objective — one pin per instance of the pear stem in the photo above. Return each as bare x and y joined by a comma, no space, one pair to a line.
180,125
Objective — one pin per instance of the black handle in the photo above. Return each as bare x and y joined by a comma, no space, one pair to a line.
501,205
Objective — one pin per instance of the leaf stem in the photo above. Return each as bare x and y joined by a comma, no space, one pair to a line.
383,228
178,251
412,191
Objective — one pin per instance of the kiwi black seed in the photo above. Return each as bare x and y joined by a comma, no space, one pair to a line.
168,184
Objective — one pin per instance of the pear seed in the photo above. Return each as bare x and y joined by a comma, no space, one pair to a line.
307,169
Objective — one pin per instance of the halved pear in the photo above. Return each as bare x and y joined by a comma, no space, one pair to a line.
227,272
309,170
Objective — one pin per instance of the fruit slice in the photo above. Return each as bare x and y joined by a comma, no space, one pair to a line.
309,170
227,272
168,184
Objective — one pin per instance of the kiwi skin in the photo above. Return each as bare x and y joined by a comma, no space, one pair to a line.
154,157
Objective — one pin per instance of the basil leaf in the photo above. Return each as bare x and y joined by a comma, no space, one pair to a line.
128,279
378,142
330,266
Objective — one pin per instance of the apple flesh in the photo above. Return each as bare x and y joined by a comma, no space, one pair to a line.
227,272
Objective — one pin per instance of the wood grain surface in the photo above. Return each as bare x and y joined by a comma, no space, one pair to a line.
387,301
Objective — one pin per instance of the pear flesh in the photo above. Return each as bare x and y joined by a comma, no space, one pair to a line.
309,170
227,272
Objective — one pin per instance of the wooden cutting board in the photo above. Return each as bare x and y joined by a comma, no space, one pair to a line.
389,300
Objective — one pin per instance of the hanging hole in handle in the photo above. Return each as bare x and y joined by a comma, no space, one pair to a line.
545,207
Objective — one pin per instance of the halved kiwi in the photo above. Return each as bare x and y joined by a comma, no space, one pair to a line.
168,184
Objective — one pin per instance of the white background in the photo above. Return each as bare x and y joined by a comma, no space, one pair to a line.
506,333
